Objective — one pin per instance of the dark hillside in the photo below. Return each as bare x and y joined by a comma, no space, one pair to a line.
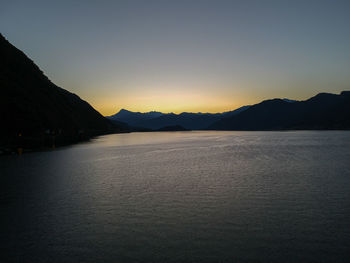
36,110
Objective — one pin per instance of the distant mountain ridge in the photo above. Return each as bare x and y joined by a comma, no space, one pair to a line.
321,112
325,111
34,111
157,120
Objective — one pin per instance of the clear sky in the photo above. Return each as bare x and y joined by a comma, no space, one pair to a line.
177,55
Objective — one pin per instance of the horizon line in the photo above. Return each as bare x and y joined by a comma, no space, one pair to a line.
220,112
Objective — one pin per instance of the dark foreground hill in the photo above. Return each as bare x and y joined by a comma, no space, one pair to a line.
324,111
34,112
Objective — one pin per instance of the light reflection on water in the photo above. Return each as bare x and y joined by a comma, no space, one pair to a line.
180,197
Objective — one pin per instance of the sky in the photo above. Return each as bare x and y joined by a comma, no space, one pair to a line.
193,55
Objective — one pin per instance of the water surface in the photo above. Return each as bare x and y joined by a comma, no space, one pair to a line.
180,197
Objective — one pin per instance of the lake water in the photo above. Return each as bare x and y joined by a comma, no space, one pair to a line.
180,197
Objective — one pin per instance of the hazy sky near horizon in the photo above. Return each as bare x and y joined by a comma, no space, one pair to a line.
197,55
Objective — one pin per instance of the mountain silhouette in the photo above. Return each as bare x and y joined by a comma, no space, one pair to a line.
135,118
156,120
322,112
34,111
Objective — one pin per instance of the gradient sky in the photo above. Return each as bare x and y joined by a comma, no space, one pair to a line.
207,56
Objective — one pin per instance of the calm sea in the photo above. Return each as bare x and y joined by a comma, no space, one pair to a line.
180,197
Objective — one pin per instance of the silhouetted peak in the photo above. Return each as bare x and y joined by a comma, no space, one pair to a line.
4,40
323,96
137,112
124,111
273,101
345,93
